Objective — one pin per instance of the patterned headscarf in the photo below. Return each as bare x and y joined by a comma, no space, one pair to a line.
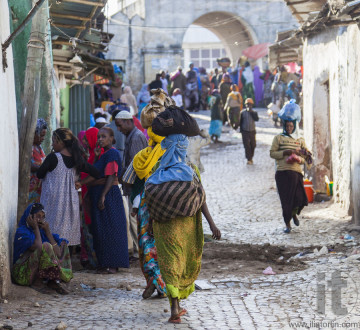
40,125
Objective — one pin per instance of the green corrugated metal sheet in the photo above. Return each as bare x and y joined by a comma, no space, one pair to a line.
79,108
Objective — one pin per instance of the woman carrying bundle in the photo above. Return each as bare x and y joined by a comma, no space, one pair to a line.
144,164
233,106
290,154
179,241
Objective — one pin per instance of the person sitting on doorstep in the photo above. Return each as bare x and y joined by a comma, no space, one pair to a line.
38,253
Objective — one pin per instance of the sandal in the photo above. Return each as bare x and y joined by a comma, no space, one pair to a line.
57,287
175,319
182,312
106,271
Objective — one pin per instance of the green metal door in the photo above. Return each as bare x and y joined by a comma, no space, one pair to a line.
79,108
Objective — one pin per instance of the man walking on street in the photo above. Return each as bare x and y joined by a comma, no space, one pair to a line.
192,91
135,141
248,117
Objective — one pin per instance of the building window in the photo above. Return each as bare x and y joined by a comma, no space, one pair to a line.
205,53
196,63
194,53
205,64
215,52
204,57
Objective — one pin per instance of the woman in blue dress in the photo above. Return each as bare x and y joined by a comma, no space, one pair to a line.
108,220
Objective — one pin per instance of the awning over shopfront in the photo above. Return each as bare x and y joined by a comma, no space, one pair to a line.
287,48
78,40
302,9
315,17
257,51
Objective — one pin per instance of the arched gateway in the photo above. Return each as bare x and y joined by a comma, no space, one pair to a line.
149,33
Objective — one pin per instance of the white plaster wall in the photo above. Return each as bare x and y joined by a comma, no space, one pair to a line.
9,160
164,23
333,55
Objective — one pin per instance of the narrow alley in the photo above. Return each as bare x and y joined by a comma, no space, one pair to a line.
233,292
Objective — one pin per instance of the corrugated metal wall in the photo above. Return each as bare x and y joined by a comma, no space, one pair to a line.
79,108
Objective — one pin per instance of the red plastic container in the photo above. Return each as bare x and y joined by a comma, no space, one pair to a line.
308,185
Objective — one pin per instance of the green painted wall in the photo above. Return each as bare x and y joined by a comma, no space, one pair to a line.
64,106
18,11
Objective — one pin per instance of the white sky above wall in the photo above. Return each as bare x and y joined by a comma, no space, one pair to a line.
198,34
194,34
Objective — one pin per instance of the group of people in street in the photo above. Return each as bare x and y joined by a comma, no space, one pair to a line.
54,223
113,164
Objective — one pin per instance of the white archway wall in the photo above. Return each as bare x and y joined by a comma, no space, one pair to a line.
162,30
234,34
263,18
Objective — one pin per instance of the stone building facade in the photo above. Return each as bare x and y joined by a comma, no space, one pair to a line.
150,33
331,89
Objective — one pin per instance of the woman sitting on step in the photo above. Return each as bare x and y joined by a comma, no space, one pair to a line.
39,253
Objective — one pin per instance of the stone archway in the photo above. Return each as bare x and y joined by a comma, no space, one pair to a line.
149,34
234,32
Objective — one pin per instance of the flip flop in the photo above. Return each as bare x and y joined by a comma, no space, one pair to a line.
105,271
287,230
182,312
176,319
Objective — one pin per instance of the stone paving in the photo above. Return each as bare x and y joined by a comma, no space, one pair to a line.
245,206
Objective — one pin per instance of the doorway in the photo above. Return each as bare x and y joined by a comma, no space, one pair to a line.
322,136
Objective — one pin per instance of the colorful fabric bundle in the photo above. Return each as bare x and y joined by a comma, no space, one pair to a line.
173,199
175,121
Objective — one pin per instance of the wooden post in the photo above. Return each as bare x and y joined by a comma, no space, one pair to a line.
36,48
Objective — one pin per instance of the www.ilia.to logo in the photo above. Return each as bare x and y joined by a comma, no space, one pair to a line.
332,295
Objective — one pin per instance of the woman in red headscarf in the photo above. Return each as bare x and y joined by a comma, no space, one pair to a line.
88,257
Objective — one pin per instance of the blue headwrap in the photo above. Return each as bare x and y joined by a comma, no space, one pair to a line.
172,165
25,236
291,83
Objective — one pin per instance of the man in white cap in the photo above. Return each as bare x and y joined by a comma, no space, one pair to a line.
135,141
100,122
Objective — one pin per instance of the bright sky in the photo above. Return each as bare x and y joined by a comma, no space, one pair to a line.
194,34
198,34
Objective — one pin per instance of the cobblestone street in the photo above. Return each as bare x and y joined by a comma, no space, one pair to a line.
245,206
